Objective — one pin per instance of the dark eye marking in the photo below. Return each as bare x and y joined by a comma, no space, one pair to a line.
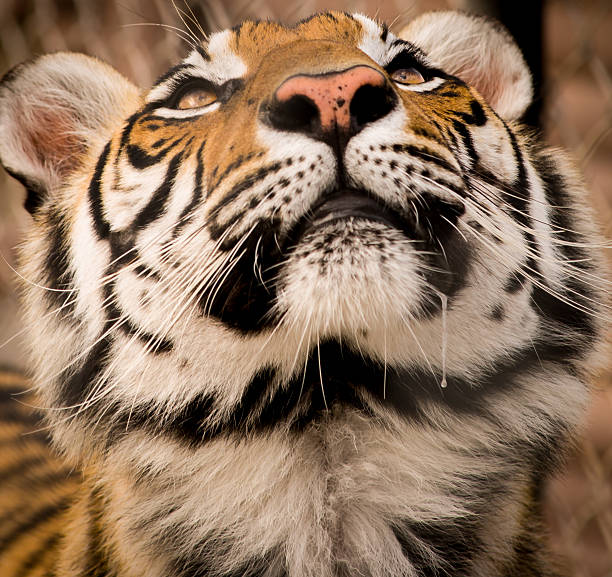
414,60
184,86
410,59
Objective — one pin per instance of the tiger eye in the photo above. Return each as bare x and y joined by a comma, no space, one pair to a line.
407,76
196,99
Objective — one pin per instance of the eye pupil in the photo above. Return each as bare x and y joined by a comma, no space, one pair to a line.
407,76
196,99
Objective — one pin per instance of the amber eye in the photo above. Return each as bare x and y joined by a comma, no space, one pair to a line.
196,98
407,76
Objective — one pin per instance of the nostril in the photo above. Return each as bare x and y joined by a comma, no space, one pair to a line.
298,113
371,103
322,105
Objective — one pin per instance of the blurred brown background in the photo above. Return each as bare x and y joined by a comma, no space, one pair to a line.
138,38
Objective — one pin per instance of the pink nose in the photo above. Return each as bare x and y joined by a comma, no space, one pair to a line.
331,94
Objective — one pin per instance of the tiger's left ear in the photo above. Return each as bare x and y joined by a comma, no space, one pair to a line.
480,52
53,111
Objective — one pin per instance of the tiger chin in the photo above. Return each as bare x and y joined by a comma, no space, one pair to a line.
314,305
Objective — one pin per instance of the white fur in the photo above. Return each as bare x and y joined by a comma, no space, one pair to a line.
59,85
328,493
480,53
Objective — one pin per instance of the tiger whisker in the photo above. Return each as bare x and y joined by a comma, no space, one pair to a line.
184,17
179,33
531,253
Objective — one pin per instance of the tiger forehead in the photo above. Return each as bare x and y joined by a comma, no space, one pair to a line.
254,41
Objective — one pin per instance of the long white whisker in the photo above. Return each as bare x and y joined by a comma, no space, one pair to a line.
184,18
181,34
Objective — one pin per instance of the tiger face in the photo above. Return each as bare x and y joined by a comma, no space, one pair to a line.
302,236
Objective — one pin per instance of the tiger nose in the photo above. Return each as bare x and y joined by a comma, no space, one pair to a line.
343,101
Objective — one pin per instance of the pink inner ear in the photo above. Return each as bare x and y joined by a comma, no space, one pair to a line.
52,142
489,86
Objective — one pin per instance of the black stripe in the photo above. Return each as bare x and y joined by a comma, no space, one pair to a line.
36,518
16,413
349,380
449,93
571,318
153,122
560,201
25,437
384,33
123,250
21,467
246,183
118,319
579,290
306,20
466,138
520,192
518,198
242,301
197,193
101,225
36,192
403,43
425,154
37,557
454,546
124,254
57,264
476,117
80,381
155,344
11,394
203,52
139,158
96,558
270,564
236,163
159,142
174,70
515,282
155,207
187,425
129,126
144,271
46,477
237,30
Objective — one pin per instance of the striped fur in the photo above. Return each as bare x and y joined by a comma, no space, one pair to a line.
270,344
36,488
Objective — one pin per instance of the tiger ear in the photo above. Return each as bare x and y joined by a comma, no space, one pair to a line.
480,52
53,110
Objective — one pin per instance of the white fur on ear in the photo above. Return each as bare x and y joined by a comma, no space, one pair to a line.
480,52
52,111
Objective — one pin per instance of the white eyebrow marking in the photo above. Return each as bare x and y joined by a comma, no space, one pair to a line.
224,65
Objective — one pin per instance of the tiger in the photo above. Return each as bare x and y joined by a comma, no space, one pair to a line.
316,304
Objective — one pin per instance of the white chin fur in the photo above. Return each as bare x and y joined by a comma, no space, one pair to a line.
348,277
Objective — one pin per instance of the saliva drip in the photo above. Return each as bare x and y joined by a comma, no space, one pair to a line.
444,302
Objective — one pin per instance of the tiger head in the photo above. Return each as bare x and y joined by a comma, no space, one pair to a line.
290,220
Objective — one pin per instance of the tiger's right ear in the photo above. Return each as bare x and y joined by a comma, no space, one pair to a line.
53,110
